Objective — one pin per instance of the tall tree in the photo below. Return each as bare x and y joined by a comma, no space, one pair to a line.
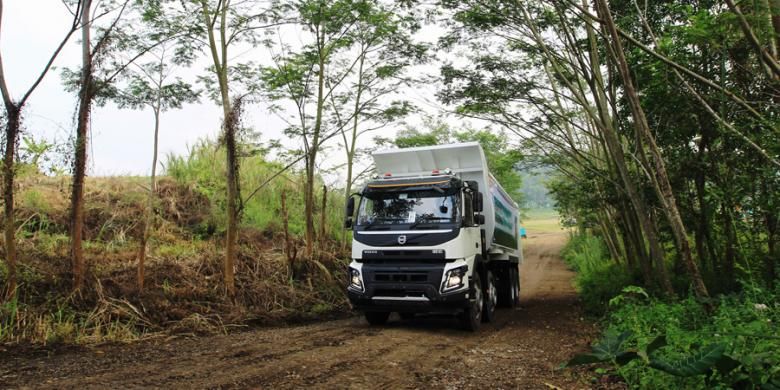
86,95
217,27
309,77
117,46
149,86
13,125
386,50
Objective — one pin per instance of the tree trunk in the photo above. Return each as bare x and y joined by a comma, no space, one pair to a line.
352,145
86,95
323,215
774,8
633,251
309,207
773,252
641,126
230,118
149,213
703,237
289,250
231,123
312,157
11,136
347,193
730,245
608,239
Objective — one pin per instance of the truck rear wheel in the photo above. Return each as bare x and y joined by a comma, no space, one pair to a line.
515,275
377,317
505,285
491,299
471,318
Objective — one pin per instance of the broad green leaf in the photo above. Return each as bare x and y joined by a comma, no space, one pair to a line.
611,345
726,364
584,359
696,364
658,342
626,357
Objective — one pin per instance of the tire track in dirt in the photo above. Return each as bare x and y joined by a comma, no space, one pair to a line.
521,349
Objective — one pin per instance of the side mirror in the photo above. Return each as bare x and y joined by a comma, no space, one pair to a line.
479,219
478,202
350,209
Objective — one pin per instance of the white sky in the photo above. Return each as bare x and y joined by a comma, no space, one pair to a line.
121,139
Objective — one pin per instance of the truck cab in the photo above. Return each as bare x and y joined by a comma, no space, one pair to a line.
421,242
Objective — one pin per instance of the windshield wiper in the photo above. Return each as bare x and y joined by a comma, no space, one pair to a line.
426,219
373,223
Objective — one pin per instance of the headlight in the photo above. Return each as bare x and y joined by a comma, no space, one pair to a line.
453,279
355,282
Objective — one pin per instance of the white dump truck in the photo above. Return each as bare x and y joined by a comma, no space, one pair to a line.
434,232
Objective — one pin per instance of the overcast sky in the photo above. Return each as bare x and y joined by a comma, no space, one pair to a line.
120,139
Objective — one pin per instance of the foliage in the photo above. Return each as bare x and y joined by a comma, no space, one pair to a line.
598,278
546,72
681,344
205,170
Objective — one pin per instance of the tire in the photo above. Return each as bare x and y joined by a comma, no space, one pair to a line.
471,318
406,316
516,286
491,299
377,317
504,285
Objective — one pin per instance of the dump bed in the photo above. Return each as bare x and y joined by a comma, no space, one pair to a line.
466,160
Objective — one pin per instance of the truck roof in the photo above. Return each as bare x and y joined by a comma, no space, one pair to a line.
464,157
461,157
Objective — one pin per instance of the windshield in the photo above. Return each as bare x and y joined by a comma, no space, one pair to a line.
413,207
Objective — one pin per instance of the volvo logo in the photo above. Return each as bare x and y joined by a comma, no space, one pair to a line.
401,239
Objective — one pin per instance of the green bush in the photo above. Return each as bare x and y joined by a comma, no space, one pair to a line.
205,166
733,345
732,341
598,278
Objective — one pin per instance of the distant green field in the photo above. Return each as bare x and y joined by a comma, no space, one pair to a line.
541,221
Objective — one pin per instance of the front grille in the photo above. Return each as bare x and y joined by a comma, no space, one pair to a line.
401,277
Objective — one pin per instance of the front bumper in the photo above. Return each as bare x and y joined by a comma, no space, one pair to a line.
406,288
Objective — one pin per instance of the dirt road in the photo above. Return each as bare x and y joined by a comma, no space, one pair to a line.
522,349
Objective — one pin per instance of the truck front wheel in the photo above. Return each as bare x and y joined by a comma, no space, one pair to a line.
471,318
377,317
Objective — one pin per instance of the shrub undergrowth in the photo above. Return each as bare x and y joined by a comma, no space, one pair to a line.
598,278
732,341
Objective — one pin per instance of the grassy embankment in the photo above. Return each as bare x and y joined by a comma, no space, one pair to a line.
183,290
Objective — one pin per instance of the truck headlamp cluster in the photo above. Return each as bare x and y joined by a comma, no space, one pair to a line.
355,282
454,278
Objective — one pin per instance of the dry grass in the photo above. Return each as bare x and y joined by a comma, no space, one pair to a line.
183,293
